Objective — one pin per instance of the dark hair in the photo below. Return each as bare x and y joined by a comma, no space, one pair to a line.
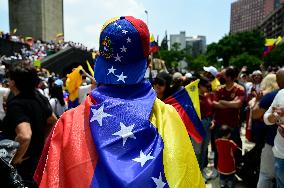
57,92
224,131
164,79
25,77
231,72
205,83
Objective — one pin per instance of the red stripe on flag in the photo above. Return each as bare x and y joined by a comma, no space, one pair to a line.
185,118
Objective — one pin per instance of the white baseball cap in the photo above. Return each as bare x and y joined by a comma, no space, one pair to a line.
211,70
188,75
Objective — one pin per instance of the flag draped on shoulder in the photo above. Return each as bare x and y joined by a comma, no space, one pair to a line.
192,90
120,139
182,102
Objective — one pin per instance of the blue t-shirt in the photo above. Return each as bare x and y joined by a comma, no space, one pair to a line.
265,103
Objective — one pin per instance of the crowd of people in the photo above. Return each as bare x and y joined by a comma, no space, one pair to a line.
37,49
33,99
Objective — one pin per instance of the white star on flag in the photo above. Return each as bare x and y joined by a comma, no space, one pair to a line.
118,58
115,23
128,40
143,158
123,49
125,132
124,31
111,70
119,26
121,77
98,115
159,182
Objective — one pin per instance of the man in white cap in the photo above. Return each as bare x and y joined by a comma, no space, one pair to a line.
211,73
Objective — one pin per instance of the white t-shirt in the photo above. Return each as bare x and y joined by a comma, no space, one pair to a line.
278,102
56,107
3,92
83,92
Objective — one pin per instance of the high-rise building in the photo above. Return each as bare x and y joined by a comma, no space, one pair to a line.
193,45
246,15
273,25
268,7
40,19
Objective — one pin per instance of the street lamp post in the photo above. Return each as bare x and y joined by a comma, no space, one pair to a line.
146,12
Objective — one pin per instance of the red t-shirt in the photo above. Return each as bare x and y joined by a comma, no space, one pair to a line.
229,116
226,159
206,105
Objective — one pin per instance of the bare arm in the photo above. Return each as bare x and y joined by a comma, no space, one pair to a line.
257,112
218,105
91,78
23,136
51,121
232,104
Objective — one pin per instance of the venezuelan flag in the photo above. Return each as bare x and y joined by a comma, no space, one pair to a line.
130,139
182,102
154,47
270,44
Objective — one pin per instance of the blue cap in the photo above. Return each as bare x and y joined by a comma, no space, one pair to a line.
58,82
124,50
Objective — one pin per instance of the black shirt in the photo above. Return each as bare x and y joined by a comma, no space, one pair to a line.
34,109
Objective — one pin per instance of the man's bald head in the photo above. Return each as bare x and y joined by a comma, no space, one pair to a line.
280,78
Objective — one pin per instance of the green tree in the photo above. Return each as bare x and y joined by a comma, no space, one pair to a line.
233,45
176,46
252,62
198,63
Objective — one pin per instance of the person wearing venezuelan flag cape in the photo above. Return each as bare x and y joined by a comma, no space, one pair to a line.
122,135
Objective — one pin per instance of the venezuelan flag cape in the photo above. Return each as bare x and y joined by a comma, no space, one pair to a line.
182,102
119,139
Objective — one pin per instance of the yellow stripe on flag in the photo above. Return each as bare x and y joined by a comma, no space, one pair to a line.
152,38
179,160
192,90
90,68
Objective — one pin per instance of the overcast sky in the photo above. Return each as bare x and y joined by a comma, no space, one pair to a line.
83,18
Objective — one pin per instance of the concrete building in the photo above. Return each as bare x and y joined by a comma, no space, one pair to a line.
178,38
194,45
40,19
197,45
273,25
246,15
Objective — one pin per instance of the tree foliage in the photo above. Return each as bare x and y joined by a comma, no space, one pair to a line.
173,56
252,62
233,45
275,57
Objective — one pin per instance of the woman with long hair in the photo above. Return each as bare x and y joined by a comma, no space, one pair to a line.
56,99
